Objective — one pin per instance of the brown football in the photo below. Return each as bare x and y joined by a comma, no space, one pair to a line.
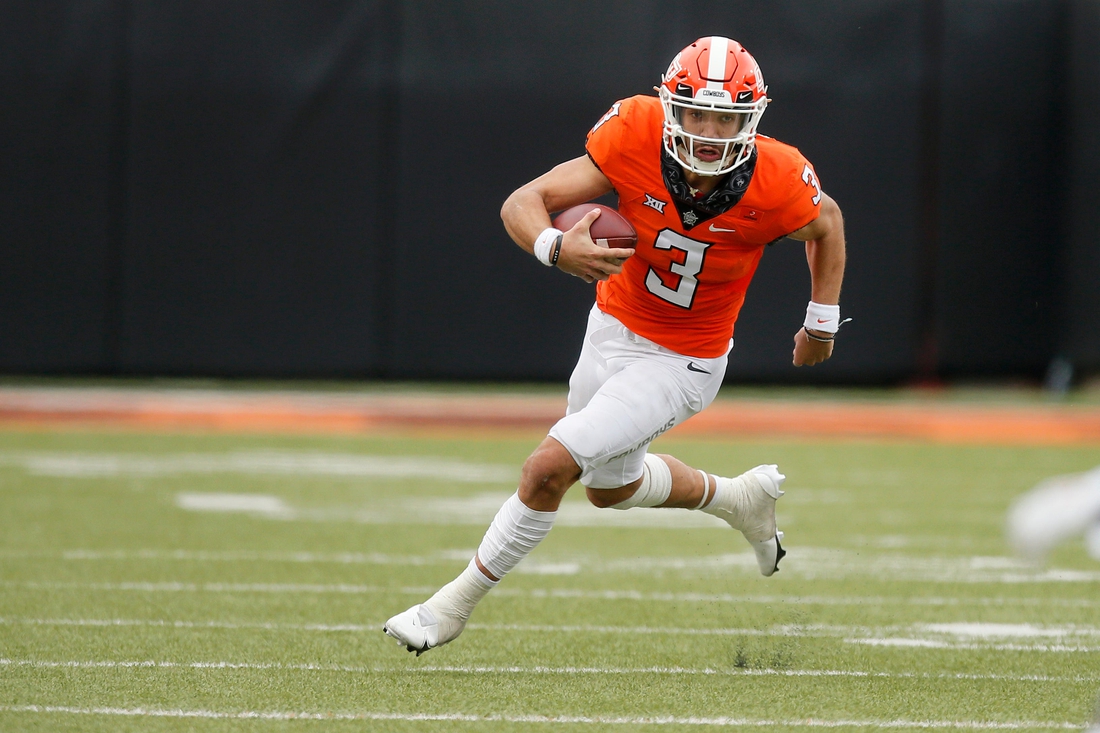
611,229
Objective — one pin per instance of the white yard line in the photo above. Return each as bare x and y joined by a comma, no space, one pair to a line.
173,587
632,595
971,646
537,669
997,638
559,719
77,465
561,593
341,558
819,630
160,623
806,562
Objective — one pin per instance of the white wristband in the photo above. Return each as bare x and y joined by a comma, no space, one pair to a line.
544,245
822,317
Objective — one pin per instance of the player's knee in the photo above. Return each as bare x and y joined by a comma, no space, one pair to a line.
549,472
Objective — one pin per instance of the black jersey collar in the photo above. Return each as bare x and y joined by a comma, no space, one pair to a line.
693,211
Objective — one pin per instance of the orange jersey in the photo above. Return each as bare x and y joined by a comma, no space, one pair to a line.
685,284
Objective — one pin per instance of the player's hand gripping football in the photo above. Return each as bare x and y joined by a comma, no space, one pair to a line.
582,257
808,352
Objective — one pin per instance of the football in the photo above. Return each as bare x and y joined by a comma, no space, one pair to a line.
609,230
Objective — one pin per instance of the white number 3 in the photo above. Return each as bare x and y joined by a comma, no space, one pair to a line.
810,179
694,253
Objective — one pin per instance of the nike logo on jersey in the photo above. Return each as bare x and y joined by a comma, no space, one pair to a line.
655,204
693,367
720,229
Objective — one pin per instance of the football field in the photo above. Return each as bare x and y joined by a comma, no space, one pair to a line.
191,580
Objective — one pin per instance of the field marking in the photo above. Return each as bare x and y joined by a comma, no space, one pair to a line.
780,630
559,593
160,623
479,509
559,719
537,669
442,557
257,462
994,631
808,562
271,506
821,630
178,587
688,597
871,636
970,646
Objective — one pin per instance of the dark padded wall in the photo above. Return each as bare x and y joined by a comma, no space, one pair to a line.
277,188
251,243
489,100
1080,337
1001,182
60,76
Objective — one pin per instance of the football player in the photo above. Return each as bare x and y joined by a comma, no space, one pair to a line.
706,195
1056,510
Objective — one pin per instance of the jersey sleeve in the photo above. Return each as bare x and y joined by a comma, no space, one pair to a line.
605,139
804,196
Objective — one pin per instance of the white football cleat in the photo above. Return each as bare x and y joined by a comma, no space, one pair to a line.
1056,510
417,628
747,503
420,628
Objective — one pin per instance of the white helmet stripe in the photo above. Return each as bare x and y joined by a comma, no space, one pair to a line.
716,66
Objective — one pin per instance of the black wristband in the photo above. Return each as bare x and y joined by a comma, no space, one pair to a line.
816,338
557,250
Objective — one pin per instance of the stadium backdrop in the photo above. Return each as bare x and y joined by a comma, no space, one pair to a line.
283,188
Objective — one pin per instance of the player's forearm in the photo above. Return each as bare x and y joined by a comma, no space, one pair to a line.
526,212
826,260
525,217
825,255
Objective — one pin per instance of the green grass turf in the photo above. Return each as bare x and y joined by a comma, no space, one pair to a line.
112,597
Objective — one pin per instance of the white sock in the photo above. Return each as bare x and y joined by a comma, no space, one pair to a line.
514,532
453,603
730,497
745,502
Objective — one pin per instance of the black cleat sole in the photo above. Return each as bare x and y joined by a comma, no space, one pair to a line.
780,553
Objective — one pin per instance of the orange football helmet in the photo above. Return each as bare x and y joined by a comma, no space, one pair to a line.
713,96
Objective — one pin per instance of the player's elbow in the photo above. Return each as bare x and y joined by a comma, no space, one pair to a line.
831,215
507,207
518,202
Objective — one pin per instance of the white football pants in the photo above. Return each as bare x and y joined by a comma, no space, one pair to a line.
624,392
